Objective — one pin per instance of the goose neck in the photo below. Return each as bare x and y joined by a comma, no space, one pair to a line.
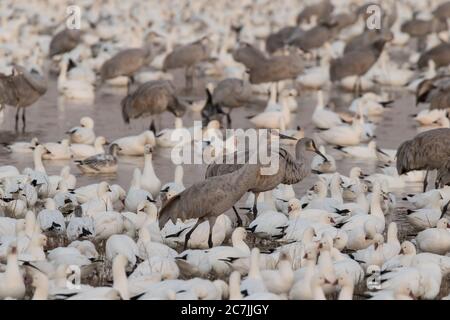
120,280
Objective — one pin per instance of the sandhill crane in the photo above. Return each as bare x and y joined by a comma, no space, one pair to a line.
21,89
208,199
356,63
232,93
440,54
428,150
320,10
64,41
291,169
187,57
151,98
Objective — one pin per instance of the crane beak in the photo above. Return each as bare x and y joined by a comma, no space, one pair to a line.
320,153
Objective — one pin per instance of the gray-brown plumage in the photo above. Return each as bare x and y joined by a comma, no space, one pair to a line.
150,98
187,56
126,63
428,150
321,10
232,93
291,170
314,37
278,40
21,89
440,54
64,41
428,89
441,100
249,55
442,11
208,199
356,63
417,28
277,68
366,39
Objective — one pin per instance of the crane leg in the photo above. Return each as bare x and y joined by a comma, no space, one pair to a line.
188,235
238,217
212,221
17,118
189,75
255,209
24,122
425,181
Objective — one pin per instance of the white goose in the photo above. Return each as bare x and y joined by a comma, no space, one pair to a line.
82,151
74,88
435,240
135,194
11,281
22,147
135,145
323,118
84,133
57,151
150,181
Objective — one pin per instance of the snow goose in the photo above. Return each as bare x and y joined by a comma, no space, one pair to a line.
101,202
254,282
345,282
372,255
135,194
221,256
363,152
84,133
323,118
319,165
424,279
193,263
435,240
11,281
165,267
86,248
100,163
177,137
119,289
8,171
22,147
269,224
343,135
376,214
362,236
149,248
324,203
429,216
80,227
279,281
150,181
135,145
51,219
171,189
74,88
124,245
407,253
82,151
107,224
57,151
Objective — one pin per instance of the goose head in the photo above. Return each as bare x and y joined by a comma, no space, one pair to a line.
407,248
294,204
87,122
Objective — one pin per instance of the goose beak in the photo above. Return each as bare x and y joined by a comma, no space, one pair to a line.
283,136
382,152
